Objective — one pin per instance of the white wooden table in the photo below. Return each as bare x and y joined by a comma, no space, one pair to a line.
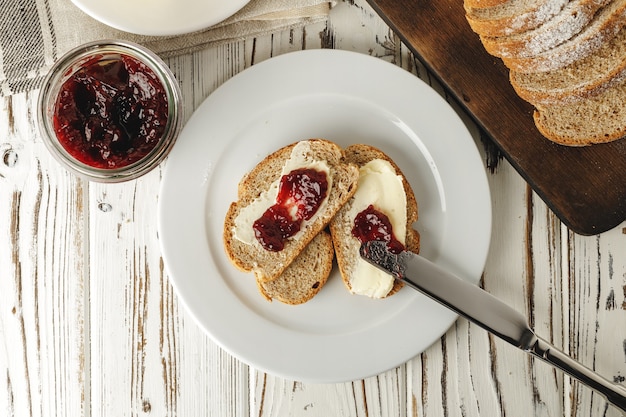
90,326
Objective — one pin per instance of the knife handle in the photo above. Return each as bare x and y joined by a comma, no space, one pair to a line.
613,393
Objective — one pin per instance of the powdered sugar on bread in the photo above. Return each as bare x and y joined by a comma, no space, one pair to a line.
582,79
574,17
572,68
511,17
604,27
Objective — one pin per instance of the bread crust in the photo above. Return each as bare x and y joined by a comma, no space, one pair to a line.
484,3
571,68
572,19
268,265
569,124
512,17
582,79
305,276
346,246
604,27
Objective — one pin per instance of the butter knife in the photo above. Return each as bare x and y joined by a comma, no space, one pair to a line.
485,310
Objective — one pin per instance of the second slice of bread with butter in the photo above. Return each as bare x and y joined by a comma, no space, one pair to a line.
383,186
257,192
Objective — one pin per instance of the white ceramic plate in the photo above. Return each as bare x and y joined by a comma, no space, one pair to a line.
348,98
160,17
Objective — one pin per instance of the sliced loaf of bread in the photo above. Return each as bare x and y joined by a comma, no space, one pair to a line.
572,19
487,3
511,17
306,275
341,227
249,255
605,26
577,81
571,67
598,119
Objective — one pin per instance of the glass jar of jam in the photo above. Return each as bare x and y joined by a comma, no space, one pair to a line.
110,110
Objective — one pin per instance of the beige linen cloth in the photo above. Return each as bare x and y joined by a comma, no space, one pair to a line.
34,33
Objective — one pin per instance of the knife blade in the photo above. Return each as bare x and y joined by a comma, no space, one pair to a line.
482,308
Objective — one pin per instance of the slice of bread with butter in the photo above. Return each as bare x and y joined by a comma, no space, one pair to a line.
360,178
258,192
383,189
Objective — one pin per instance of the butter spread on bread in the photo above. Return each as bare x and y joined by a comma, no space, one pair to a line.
268,265
300,158
382,186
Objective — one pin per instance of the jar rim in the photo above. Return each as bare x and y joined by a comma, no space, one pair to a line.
67,65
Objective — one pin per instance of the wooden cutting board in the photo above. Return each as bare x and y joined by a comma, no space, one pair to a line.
585,187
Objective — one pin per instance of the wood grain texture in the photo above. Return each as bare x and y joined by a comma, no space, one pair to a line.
42,270
585,186
90,326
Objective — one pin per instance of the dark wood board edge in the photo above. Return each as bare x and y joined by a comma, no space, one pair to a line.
585,187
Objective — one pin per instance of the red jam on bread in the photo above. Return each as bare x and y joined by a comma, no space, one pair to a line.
371,224
300,195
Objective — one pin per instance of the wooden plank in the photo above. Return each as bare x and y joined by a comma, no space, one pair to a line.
585,187
42,274
494,377
596,280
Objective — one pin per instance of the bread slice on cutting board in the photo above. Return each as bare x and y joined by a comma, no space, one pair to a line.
605,25
598,119
341,227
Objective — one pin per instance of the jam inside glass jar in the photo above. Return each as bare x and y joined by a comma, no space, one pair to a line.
300,195
372,224
111,112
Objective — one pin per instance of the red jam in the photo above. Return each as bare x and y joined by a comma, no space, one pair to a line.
300,195
111,112
371,224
